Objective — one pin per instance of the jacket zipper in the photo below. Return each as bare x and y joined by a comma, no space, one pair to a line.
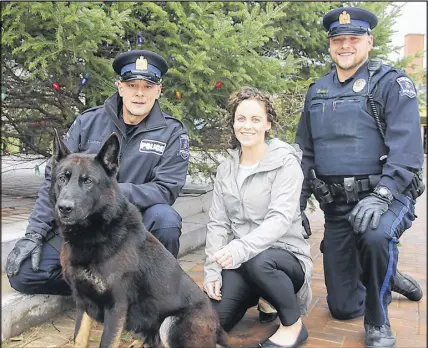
239,191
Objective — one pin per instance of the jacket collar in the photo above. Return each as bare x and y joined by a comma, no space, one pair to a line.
274,157
349,79
154,120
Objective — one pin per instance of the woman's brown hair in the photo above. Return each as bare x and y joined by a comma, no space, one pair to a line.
243,94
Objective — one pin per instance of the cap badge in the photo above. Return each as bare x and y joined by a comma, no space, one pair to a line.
344,18
141,63
359,85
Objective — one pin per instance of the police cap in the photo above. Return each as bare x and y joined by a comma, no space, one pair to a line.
140,65
349,21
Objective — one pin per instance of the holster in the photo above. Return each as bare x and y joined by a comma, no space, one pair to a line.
321,191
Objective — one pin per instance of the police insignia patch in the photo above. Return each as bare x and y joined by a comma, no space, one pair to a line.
152,146
358,85
406,87
184,150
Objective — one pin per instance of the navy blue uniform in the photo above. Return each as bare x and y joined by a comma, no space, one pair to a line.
340,139
153,167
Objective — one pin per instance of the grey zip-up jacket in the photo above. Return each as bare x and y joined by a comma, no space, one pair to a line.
264,214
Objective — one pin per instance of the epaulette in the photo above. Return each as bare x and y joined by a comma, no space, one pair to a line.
91,109
167,116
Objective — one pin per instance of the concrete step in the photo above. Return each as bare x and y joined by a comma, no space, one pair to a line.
10,233
20,312
189,204
193,233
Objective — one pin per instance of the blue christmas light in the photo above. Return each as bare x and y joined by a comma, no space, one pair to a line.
140,40
84,80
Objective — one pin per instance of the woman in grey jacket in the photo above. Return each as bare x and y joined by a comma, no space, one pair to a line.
255,246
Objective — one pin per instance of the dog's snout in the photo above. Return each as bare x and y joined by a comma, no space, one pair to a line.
65,207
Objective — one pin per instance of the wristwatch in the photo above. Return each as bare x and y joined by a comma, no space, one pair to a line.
384,192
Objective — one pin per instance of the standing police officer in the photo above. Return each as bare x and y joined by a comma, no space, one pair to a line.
154,156
362,147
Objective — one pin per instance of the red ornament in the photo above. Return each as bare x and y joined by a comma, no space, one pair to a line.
56,86
177,95
218,84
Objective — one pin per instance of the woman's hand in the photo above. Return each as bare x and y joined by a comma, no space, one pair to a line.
224,258
213,290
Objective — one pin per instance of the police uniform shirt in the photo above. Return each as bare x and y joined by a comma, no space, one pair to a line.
396,101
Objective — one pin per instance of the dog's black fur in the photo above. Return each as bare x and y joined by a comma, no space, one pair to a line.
119,273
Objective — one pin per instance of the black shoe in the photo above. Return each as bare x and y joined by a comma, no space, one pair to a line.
379,337
303,336
407,286
267,317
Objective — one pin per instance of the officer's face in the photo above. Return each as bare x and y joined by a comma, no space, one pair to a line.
251,123
138,98
349,52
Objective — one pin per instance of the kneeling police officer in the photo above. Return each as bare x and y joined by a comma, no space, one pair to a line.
154,157
362,158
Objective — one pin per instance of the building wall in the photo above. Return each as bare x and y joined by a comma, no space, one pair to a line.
414,44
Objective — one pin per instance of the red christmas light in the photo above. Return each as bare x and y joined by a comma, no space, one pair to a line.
218,84
56,86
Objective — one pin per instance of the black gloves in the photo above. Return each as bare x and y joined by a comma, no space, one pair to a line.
368,209
30,244
306,226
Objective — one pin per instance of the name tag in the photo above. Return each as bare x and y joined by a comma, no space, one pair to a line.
152,146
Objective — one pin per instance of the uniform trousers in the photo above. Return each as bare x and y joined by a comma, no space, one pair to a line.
274,274
359,268
160,219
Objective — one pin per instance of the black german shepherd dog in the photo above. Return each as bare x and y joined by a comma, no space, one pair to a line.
119,273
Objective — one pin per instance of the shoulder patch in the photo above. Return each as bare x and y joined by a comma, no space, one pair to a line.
184,149
406,87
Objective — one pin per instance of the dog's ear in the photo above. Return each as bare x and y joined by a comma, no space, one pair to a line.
109,155
60,150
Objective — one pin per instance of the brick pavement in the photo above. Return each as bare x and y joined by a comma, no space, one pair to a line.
408,319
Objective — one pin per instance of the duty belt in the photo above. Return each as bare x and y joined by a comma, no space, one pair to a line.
351,187
362,185
348,188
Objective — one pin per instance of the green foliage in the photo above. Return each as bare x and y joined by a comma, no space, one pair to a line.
278,47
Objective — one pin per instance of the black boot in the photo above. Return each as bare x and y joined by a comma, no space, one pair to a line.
406,286
379,336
